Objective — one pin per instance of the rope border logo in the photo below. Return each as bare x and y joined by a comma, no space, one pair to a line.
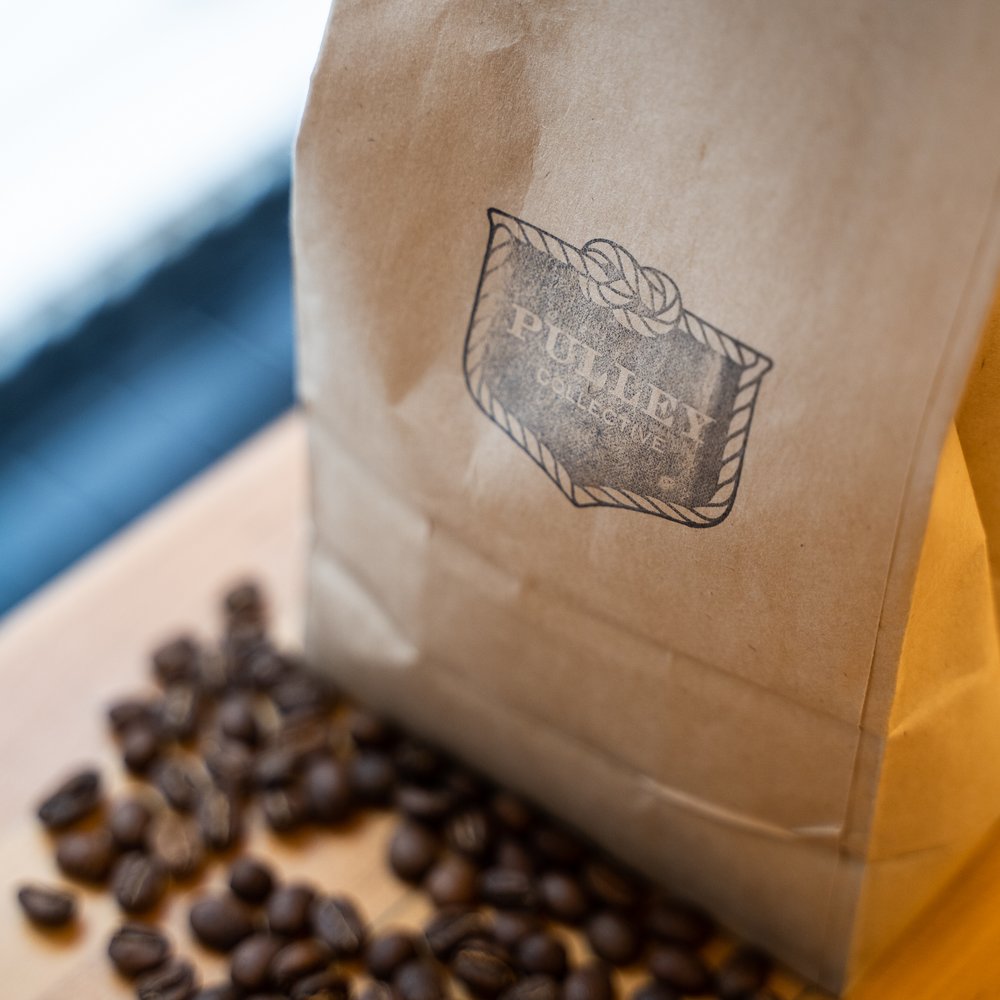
590,363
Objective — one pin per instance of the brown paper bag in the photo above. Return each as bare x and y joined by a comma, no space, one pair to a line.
632,338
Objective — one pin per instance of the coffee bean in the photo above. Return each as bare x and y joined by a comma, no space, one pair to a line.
511,811
237,719
468,789
285,809
251,880
231,764
653,989
680,968
420,979
337,922
417,761
174,980
559,846
77,797
611,885
141,746
137,882
87,855
137,948
670,920
387,952
613,937
514,856
276,767
129,822
511,926
326,985
744,971
508,889
372,776
176,661
244,602
288,909
412,851
302,695
328,790
470,833
219,820
589,982
563,897
542,953
533,988
180,712
426,805
452,926
46,906
368,729
484,973
220,922
179,783
123,714
452,881
297,960
177,843
250,962
220,991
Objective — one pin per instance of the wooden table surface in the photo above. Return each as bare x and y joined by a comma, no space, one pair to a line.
84,640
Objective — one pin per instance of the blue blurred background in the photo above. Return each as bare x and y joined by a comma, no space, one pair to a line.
145,278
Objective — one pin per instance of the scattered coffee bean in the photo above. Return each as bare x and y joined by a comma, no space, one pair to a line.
452,881
470,833
368,729
46,906
131,711
288,909
250,962
244,602
563,897
482,971
138,882
508,889
179,712
533,988
589,982
220,922
426,805
251,880
542,953
176,661
337,922
285,809
744,971
77,797
218,817
510,927
451,927
611,885
388,951
129,822
86,855
680,968
141,746
420,979
177,843
372,776
237,719
512,855
613,937
325,985
137,948
678,922
174,980
413,850
218,991
297,960
179,783
328,790
230,764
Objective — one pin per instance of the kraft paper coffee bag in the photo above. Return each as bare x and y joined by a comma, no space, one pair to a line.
632,341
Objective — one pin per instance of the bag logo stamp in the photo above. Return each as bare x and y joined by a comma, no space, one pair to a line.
590,363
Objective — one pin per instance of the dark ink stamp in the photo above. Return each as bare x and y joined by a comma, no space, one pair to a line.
590,363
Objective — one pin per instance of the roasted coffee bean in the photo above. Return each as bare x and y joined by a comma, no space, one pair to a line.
218,991
177,843
412,851
743,972
541,953
285,809
611,885
250,962
325,985
219,820
123,714
174,980
508,889
180,712
77,797
230,764
452,881
337,922
141,747
244,602
514,856
533,988
301,695
589,982
138,882
276,767
372,776
46,906
137,948
678,922
297,960
129,822
303,737
220,922
563,897
470,833
420,979
368,729
511,926
511,811
328,790
86,855
387,952
251,880
613,937
179,783
237,719
426,805
467,788
653,989
417,761
451,927
559,846
680,968
176,661
484,973
288,909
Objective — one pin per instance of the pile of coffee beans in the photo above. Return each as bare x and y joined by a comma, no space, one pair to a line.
244,729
